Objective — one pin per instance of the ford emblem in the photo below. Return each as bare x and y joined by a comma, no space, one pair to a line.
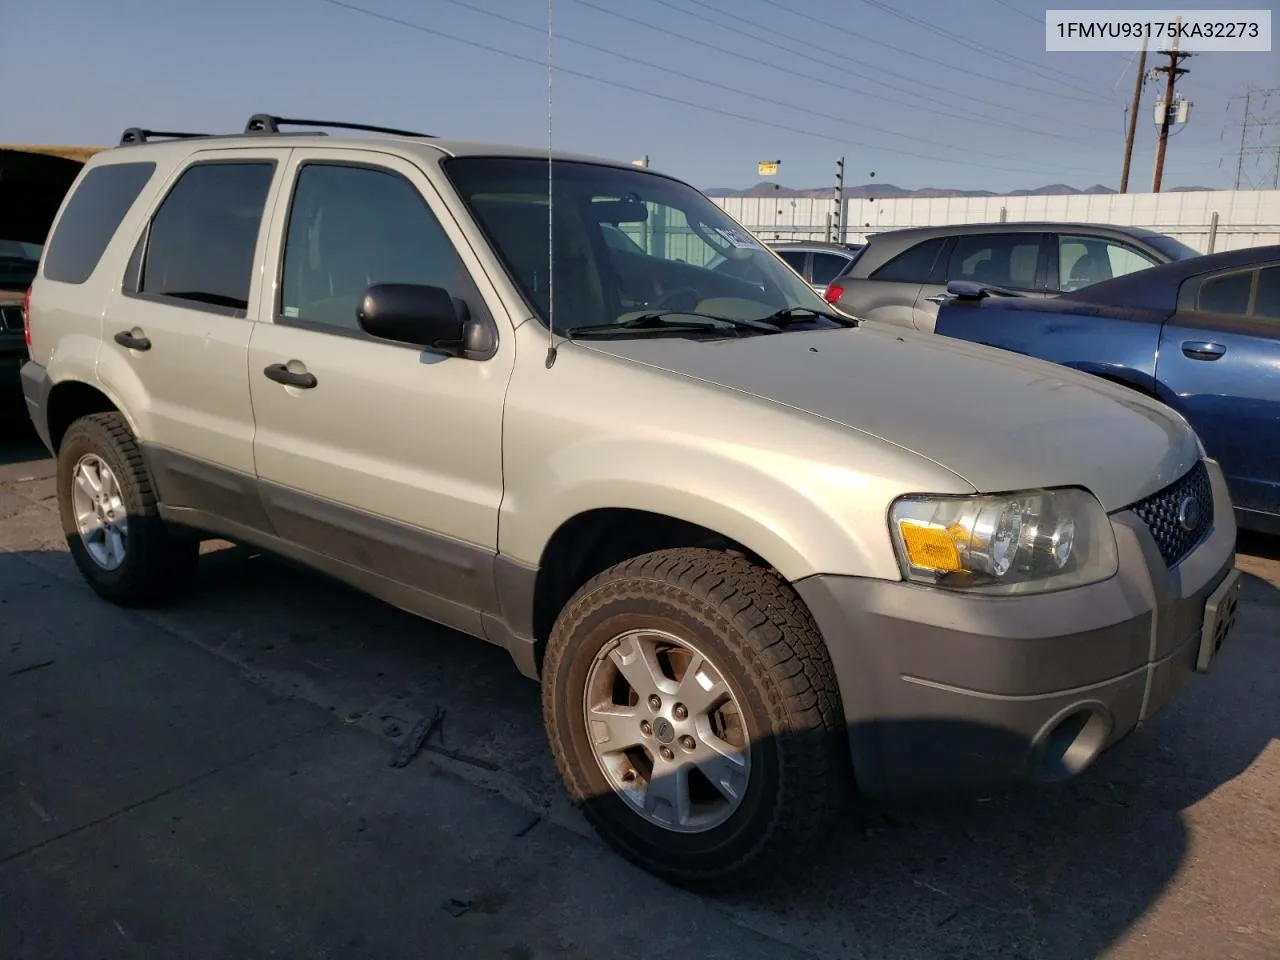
1189,513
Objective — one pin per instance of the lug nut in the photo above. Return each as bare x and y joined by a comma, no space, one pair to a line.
654,702
687,742
645,728
679,711
667,754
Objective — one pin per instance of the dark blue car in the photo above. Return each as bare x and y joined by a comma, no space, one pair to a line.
1202,335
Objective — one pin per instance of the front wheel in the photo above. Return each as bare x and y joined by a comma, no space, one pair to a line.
694,716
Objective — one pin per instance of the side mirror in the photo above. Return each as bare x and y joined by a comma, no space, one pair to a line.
422,316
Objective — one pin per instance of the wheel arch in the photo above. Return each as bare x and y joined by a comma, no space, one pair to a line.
69,400
594,540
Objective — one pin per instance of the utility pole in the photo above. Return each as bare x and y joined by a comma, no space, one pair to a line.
1252,121
1133,116
1171,72
838,222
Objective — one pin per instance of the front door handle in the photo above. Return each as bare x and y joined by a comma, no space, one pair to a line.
1202,349
939,298
126,338
280,373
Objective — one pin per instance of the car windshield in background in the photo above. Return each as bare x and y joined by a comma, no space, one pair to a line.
18,264
1170,247
628,245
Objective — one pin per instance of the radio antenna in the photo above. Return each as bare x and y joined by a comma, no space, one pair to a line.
551,228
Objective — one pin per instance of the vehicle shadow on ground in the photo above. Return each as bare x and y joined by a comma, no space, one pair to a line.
1052,871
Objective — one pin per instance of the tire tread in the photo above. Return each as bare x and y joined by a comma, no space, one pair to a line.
162,566
781,647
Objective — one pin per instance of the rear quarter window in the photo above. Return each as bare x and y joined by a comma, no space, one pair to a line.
92,215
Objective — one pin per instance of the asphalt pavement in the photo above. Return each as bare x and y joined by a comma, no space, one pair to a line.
215,779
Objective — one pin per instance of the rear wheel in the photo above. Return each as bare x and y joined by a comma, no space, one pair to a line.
109,516
695,718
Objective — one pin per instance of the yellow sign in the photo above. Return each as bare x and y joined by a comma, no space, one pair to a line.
768,168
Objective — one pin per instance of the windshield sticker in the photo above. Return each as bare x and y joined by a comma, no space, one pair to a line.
741,240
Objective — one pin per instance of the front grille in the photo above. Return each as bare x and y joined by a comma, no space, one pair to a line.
1163,514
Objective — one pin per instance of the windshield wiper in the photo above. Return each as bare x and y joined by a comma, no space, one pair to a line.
796,314
657,322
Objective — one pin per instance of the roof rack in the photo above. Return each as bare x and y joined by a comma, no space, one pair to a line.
266,123
139,135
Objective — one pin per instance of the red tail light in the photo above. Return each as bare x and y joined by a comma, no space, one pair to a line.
833,293
26,317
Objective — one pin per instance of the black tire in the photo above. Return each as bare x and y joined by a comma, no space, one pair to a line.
765,644
158,566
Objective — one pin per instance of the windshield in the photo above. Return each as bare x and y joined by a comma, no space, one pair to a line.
627,244
1174,249
18,263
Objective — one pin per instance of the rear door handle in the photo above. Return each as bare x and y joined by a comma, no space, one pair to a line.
126,339
282,374
1202,349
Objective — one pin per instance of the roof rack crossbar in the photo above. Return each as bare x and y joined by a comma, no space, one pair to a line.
266,123
140,135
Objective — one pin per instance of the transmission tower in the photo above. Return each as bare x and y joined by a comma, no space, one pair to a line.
1261,115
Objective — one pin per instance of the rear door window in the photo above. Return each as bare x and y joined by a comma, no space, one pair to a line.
201,242
999,259
91,218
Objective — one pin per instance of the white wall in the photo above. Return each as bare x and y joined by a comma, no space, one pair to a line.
1246,218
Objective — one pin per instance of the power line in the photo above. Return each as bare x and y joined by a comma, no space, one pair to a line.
664,97
983,48
807,51
878,41
790,71
1018,10
737,90
1110,53
1040,20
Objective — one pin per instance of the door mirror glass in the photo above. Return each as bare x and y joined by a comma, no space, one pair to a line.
414,314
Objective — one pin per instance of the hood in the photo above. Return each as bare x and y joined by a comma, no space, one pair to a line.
1000,421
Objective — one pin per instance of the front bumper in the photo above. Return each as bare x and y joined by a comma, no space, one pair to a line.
947,691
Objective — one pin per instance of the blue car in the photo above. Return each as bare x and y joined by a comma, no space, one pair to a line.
1201,335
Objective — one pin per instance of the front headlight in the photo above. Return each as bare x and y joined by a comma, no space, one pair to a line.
1028,542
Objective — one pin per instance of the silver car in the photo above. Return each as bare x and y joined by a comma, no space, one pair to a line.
754,562
902,275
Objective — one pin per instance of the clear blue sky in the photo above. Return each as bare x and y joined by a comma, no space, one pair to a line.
79,71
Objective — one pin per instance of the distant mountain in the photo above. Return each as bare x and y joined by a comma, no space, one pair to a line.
887,191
